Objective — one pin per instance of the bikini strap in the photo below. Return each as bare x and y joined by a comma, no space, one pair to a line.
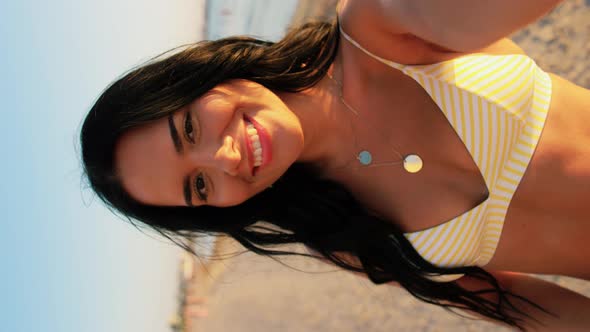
378,58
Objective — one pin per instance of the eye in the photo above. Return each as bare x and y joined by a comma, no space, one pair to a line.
201,187
188,127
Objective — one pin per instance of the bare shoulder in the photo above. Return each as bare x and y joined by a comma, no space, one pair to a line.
374,27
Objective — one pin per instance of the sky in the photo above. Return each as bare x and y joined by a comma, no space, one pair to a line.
68,264
258,18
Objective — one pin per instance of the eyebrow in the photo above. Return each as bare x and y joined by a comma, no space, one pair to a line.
174,134
186,188
187,191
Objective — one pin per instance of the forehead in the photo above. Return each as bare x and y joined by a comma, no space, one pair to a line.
145,162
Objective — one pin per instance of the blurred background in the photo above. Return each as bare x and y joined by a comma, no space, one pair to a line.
68,264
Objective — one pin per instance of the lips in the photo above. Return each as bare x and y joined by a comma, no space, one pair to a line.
258,144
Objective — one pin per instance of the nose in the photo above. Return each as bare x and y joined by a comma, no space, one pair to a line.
227,158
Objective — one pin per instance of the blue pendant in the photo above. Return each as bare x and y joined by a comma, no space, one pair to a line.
365,157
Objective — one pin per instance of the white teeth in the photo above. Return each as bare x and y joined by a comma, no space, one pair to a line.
255,142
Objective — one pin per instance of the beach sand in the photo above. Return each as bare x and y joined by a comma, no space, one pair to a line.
250,293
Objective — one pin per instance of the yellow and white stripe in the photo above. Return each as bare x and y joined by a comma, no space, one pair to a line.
497,105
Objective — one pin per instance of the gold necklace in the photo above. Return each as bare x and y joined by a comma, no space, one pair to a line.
412,162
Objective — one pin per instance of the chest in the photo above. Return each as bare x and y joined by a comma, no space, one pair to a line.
405,119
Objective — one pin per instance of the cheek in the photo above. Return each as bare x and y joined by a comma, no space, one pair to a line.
214,123
231,192
217,108
234,192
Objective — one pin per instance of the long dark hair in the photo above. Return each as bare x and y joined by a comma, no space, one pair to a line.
300,207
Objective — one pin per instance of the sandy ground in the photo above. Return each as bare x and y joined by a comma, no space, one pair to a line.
249,293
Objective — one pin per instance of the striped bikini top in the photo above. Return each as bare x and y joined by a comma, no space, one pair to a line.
497,105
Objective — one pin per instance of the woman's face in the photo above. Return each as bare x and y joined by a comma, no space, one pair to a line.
220,150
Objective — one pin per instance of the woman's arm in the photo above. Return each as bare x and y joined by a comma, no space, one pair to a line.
465,25
459,25
571,310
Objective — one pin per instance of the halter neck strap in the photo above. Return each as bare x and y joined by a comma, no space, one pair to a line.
376,57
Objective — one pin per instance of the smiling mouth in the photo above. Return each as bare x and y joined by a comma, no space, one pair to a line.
258,143
254,139
254,145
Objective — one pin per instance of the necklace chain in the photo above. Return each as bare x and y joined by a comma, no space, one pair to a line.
412,162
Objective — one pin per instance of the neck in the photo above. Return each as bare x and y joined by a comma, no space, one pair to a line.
326,125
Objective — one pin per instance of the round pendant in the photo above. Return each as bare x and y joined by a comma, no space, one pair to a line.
413,163
365,157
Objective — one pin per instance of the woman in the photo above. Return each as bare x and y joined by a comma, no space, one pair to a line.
408,143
